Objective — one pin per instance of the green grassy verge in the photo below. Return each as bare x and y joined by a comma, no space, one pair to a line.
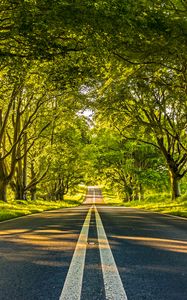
19,208
161,203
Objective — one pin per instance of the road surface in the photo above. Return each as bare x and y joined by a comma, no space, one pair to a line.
94,252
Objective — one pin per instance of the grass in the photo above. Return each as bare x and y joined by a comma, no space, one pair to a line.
161,203
19,208
155,202
111,199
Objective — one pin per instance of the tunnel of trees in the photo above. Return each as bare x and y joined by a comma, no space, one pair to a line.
92,92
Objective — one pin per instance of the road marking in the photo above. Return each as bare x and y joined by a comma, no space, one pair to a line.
72,288
73,283
114,289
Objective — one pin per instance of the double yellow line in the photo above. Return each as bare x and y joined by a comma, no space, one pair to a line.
112,282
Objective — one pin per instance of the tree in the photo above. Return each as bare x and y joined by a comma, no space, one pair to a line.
126,165
67,165
52,47
21,108
154,104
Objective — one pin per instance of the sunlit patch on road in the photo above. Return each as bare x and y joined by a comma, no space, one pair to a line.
163,244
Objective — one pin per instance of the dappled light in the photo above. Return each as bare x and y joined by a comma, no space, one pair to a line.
162,244
93,150
43,243
94,243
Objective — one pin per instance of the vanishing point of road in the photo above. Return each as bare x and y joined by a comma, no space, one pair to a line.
94,252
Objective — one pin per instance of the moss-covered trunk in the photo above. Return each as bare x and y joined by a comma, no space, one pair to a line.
33,193
175,185
3,190
20,193
3,181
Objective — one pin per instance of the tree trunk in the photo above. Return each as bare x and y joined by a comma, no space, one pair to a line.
175,185
3,191
136,192
19,195
25,167
33,188
61,195
33,193
3,181
130,193
173,167
19,189
141,192
18,179
126,198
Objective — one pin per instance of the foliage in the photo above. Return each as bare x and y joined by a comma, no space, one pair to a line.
19,208
66,169
159,202
128,166
126,62
150,107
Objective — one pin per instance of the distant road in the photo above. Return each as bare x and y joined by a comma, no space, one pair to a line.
94,252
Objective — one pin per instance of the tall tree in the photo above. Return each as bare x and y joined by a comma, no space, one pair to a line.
21,107
67,156
152,102
126,165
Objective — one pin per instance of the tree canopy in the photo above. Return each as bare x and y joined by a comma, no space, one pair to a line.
124,62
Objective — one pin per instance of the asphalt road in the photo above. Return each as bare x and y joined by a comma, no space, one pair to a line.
149,252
